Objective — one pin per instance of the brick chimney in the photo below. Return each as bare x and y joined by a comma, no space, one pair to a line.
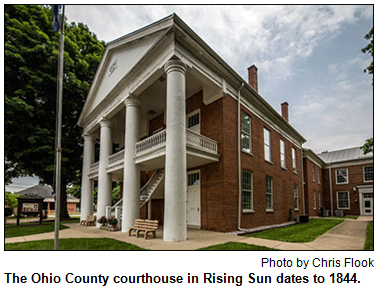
253,77
284,111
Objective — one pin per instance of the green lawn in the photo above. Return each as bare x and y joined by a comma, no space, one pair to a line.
369,238
236,246
74,244
25,229
299,233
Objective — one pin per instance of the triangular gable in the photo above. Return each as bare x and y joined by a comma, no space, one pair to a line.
119,58
118,64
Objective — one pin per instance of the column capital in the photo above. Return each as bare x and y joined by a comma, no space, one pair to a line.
104,122
175,65
88,137
131,101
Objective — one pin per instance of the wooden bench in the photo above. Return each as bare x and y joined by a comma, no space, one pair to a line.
146,226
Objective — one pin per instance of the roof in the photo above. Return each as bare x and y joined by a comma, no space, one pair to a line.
343,155
43,191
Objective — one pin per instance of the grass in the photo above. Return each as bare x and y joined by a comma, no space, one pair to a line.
300,233
369,238
236,246
74,244
25,229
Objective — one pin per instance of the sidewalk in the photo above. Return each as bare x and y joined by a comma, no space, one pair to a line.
349,235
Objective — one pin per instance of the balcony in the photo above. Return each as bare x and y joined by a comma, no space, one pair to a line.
150,153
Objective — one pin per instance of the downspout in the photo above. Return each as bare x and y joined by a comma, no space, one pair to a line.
239,158
303,179
331,204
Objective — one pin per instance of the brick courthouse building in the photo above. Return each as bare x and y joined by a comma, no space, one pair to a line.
196,145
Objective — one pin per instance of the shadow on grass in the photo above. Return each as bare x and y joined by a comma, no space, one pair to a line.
73,244
236,246
300,233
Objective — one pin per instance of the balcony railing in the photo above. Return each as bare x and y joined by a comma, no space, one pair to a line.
153,142
115,158
94,167
199,141
159,140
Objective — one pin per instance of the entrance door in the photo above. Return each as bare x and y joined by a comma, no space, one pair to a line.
193,199
368,205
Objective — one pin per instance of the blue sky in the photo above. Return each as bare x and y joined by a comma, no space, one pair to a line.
307,55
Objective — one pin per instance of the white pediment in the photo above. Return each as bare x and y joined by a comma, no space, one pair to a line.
118,63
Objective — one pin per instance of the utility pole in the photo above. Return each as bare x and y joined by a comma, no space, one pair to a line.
59,111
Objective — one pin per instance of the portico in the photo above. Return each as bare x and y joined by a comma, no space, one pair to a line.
123,106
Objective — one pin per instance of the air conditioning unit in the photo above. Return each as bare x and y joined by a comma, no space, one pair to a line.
303,218
339,213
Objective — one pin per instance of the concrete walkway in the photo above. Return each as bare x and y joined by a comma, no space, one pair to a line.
349,235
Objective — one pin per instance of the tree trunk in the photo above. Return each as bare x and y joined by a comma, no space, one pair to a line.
63,202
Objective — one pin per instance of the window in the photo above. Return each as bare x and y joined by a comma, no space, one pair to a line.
294,161
193,121
368,174
282,154
269,201
313,173
246,132
342,176
314,201
343,200
295,195
319,180
319,199
267,145
193,179
247,190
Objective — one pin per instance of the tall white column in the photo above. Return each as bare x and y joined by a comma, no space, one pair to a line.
131,175
86,183
104,179
175,227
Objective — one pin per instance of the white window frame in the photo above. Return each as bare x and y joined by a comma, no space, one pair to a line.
267,145
294,160
270,209
246,133
313,172
248,190
337,200
319,199
195,128
283,161
365,181
336,176
318,176
314,201
295,196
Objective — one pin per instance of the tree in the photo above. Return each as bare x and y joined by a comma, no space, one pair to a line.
31,54
368,146
369,49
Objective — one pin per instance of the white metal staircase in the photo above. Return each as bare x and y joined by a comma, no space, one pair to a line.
148,189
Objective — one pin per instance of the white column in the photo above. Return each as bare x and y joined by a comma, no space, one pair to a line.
175,227
131,175
86,183
104,179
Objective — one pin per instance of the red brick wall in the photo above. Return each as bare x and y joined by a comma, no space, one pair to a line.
355,178
219,180
310,186
283,179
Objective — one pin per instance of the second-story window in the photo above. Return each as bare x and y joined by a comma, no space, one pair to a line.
282,154
267,145
368,174
246,132
341,176
193,121
313,172
294,160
